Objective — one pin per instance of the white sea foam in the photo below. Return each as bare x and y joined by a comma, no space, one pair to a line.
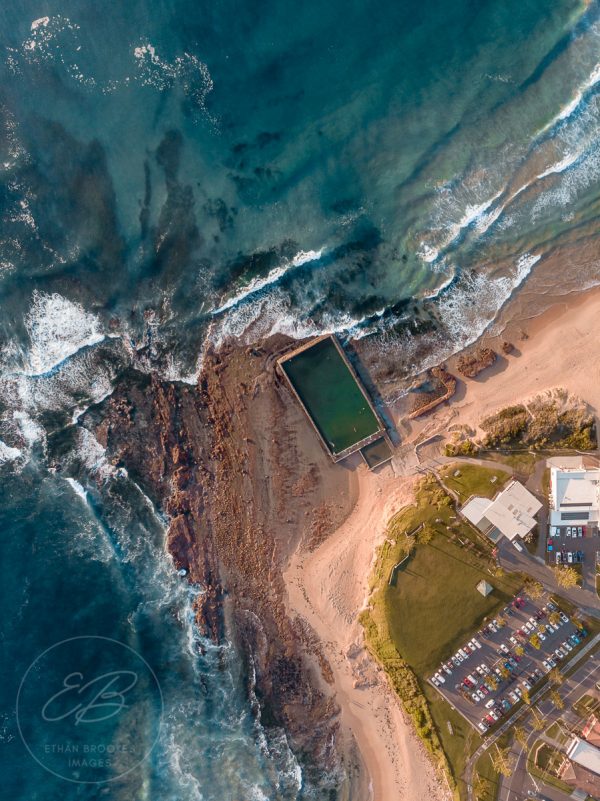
31,430
574,102
187,70
274,275
93,455
57,329
560,166
77,488
8,454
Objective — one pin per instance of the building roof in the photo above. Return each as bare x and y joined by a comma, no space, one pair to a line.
584,754
474,509
484,587
574,495
511,511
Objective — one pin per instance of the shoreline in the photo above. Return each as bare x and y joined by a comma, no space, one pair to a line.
329,586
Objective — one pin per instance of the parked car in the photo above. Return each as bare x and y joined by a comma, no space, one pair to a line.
484,667
504,649
568,531
440,678
567,645
475,698
482,726
579,531
547,666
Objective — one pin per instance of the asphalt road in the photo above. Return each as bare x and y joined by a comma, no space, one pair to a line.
520,782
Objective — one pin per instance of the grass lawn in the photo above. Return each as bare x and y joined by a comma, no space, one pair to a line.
473,480
542,759
430,607
556,731
490,779
522,463
458,745
585,705
429,620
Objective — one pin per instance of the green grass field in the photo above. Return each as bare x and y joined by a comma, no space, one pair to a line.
432,606
473,480
429,619
489,777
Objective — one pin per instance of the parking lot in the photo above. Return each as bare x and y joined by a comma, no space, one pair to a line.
492,671
572,544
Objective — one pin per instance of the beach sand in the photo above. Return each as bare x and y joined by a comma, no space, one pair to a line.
329,585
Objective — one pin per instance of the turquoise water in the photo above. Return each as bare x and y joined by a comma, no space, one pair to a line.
174,173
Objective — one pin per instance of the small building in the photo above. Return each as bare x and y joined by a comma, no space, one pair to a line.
574,496
485,588
584,754
511,513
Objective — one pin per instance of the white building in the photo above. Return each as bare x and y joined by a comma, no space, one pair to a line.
584,754
511,513
574,496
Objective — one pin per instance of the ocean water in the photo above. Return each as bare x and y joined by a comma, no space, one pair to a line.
177,172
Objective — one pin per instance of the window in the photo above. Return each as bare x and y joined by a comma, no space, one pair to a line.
574,515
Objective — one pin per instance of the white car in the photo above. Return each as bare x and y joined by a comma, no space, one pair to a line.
440,678
563,617
567,645
541,636
568,531
547,666
482,727
480,695
528,626
477,643
489,704
484,667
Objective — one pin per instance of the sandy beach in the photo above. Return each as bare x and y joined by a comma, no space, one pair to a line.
329,586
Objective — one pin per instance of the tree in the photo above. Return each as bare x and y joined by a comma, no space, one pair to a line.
535,641
519,650
501,621
554,618
542,627
521,736
534,589
538,721
479,786
555,676
556,699
492,682
503,761
425,535
566,577
526,696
